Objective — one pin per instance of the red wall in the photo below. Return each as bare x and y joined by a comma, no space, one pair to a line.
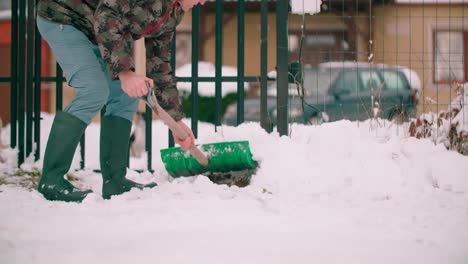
5,54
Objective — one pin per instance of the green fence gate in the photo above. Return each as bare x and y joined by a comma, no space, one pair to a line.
25,83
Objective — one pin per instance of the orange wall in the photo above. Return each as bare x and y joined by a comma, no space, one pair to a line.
403,35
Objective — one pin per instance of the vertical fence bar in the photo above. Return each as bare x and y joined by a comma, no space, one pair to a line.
194,90
21,79
59,88
14,74
29,78
282,7
148,137
240,60
37,95
263,65
218,61
82,151
173,66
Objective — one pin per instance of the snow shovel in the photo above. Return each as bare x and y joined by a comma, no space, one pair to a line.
223,157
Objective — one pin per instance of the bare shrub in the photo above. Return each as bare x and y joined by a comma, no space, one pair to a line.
448,127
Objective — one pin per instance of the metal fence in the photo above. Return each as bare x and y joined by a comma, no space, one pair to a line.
402,58
25,83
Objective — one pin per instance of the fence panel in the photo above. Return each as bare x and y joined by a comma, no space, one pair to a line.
26,83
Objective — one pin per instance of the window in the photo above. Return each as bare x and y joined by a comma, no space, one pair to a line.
393,80
370,80
318,81
347,83
450,56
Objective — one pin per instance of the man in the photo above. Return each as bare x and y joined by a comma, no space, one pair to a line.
92,41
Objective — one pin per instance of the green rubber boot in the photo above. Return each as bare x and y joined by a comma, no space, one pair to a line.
64,136
114,141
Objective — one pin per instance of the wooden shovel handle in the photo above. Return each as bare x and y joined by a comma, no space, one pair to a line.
174,127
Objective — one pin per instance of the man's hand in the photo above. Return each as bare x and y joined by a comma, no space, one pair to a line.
133,84
189,141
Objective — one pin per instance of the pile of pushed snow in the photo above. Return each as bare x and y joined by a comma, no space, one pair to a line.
377,158
364,189
207,69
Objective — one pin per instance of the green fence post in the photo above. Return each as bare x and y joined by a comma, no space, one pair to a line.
148,136
218,61
29,78
14,74
282,7
173,67
240,60
82,151
194,79
21,79
58,88
37,95
264,66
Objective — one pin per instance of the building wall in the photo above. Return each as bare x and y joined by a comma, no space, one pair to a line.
252,42
403,35
5,70
320,22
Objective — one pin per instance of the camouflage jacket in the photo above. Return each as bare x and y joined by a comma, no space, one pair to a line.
113,25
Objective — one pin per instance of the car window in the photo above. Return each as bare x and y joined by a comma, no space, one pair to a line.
370,80
346,83
318,81
394,80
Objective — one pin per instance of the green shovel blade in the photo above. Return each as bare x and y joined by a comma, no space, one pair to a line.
222,157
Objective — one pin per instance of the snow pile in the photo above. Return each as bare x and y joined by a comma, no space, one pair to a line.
342,192
461,119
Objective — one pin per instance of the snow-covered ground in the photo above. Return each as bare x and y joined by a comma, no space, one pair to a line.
342,192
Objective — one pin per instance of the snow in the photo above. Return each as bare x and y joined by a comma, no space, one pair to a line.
342,192
5,15
462,118
305,6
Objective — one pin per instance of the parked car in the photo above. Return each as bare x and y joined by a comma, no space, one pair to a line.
341,90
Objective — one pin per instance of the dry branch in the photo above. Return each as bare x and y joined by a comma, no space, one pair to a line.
448,127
